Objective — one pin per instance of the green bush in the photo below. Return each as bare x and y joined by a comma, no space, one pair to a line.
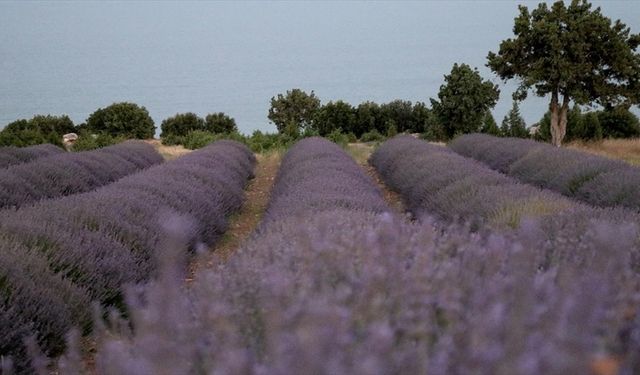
122,120
338,137
39,129
180,124
88,141
220,123
172,140
619,122
196,139
372,136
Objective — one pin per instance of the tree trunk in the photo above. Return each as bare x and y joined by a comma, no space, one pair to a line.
558,119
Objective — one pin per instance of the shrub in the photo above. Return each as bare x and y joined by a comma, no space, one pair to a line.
122,120
87,141
317,175
12,155
180,124
94,243
220,123
196,139
38,130
372,136
593,179
71,173
433,180
332,282
619,122
337,136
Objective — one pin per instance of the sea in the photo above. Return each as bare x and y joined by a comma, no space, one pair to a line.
74,57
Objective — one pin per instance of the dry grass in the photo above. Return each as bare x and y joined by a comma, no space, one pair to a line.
167,152
623,149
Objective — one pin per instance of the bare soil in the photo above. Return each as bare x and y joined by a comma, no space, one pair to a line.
361,153
242,224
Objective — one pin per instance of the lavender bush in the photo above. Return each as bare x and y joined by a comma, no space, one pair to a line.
351,291
433,180
96,242
71,173
593,179
316,175
13,155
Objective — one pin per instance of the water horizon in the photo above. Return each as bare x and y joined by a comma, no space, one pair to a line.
73,58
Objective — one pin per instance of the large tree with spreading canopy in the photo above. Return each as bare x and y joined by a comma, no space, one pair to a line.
573,53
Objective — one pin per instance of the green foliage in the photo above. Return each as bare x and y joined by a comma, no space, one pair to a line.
172,140
619,122
422,118
570,51
220,123
181,124
392,130
261,142
591,128
87,141
196,139
372,136
399,114
368,118
294,111
122,119
39,129
489,125
338,137
513,125
463,100
334,115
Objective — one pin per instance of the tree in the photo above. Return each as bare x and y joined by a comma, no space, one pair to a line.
464,99
367,118
220,123
513,124
39,129
180,124
398,113
333,116
294,111
619,122
422,117
122,120
591,128
573,53
489,125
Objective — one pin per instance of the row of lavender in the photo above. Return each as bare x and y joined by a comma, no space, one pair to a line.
59,255
433,180
344,286
13,155
589,178
71,173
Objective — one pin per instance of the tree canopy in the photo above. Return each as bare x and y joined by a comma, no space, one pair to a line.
573,53
513,125
220,123
293,111
39,129
180,124
122,119
465,98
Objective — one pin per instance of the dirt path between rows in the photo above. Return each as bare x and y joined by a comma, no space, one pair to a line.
361,152
243,223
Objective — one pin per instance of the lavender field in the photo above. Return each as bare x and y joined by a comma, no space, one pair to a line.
498,266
